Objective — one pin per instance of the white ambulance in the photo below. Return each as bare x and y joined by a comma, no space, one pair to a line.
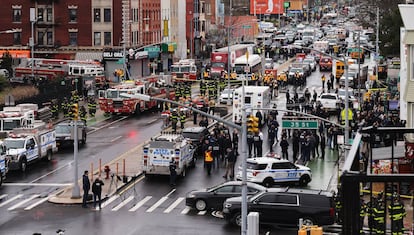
255,98
159,151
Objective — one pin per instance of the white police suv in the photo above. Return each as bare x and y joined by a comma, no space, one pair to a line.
270,170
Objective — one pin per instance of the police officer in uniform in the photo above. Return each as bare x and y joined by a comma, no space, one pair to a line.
250,142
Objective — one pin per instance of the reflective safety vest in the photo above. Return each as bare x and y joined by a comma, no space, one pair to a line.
350,116
208,157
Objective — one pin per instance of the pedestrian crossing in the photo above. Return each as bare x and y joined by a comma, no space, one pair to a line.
117,203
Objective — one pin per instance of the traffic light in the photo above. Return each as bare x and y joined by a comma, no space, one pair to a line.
75,111
253,124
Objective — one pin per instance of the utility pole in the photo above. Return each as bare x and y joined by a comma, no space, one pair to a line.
31,40
228,52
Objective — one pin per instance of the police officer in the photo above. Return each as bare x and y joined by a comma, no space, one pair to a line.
258,143
250,142
397,214
182,119
174,120
173,173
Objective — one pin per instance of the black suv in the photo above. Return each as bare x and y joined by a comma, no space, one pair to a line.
196,134
285,206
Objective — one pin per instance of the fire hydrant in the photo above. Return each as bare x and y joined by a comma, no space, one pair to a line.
107,170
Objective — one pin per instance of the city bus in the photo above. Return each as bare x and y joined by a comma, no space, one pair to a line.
242,66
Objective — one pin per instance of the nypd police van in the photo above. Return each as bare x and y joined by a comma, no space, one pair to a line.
160,150
270,170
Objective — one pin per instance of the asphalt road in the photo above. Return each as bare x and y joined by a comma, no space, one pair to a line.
148,206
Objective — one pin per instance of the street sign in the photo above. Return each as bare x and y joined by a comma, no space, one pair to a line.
299,124
247,26
286,4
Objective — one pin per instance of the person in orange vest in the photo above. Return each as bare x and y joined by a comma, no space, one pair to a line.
208,159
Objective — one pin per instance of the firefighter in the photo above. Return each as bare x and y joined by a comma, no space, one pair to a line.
174,120
75,97
82,114
177,92
378,215
205,74
54,109
187,91
338,207
323,78
362,214
65,107
182,119
92,107
397,214
202,88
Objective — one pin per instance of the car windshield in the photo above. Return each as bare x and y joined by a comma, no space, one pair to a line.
63,129
256,166
294,70
14,143
328,97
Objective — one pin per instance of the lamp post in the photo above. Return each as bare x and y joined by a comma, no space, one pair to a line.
33,20
228,54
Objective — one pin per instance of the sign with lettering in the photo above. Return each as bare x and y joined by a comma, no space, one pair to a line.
299,124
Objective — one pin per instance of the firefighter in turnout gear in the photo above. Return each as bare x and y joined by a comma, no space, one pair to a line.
82,113
203,88
75,97
397,214
182,119
54,109
65,107
378,214
338,207
362,214
92,107
174,119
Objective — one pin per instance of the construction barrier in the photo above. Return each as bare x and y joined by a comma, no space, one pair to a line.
310,230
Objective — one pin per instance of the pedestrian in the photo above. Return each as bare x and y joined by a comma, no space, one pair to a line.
258,144
323,81
208,159
97,191
317,143
235,140
194,114
173,172
284,145
250,142
329,85
231,159
86,186
271,135
295,145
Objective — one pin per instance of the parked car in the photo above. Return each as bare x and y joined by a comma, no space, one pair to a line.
311,62
270,170
225,95
285,206
214,197
329,101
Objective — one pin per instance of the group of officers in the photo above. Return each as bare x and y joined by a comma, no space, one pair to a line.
66,107
375,210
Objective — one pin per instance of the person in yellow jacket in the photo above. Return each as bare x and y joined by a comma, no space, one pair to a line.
208,159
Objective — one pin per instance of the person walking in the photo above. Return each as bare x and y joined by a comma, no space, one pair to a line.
173,172
231,159
284,144
322,144
97,192
208,159
86,186
323,78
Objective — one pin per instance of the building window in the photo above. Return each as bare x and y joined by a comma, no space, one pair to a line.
107,38
107,15
49,36
17,15
96,15
17,38
97,39
40,14
73,38
49,15
40,38
73,15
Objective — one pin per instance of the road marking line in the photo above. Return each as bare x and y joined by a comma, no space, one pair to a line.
3,196
123,203
11,199
202,213
186,210
157,204
107,125
174,205
116,138
172,191
111,199
38,184
23,202
131,185
36,203
139,204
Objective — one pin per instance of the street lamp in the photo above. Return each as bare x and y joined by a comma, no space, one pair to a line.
33,20
228,54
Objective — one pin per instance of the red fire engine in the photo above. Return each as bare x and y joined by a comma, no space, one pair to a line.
50,69
112,101
185,71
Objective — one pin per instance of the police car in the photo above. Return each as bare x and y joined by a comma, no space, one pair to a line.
270,170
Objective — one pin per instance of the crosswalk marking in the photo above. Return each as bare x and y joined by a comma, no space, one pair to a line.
186,210
157,204
23,202
36,203
201,212
3,196
139,204
174,205
123,203
11,199
109,201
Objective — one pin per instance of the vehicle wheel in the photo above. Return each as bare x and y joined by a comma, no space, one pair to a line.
268,182
237,219
1,179
23,165
307,221
304,180
49,155
201,205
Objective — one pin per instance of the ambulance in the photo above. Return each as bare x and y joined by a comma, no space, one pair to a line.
255,98
161,149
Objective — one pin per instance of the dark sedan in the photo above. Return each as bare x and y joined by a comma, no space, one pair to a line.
214,197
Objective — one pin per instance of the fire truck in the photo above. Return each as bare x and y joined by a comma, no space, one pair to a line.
50,69
112,101
185,71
